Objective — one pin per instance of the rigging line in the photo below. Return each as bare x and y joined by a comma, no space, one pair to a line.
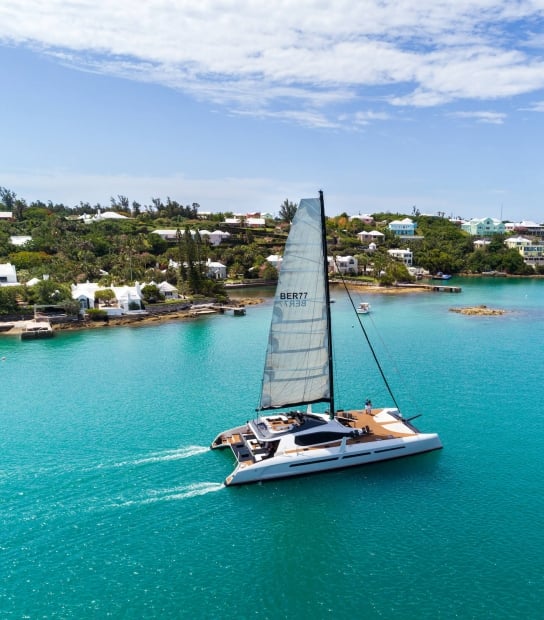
386,382
407,390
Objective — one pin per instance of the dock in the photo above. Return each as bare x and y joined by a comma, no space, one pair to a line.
443,288
438,288
236,310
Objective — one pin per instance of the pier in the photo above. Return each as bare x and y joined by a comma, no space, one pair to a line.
438,288
443,288
236,310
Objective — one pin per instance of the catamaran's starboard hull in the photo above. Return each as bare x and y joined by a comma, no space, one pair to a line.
326,459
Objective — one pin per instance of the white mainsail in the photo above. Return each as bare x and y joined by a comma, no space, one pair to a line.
297,359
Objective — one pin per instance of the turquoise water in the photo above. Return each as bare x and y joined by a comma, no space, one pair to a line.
112,505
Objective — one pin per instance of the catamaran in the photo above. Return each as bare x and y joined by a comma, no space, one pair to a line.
298,373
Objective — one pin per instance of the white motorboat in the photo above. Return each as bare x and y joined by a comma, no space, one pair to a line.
363,308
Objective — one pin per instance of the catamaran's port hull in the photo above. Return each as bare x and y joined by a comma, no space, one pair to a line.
323,460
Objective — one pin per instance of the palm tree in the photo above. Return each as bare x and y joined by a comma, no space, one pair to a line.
287,211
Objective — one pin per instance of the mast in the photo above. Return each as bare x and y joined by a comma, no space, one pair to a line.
327,301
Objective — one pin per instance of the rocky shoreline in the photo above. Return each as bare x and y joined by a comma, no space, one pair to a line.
479,311
132,320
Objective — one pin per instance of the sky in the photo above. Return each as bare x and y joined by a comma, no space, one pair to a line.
237,105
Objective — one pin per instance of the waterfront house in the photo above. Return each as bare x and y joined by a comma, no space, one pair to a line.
216,270
6,215
169,291
343,264
533,255
404,256
127,298
403,228
8,275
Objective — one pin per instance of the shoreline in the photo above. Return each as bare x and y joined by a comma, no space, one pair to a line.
136,320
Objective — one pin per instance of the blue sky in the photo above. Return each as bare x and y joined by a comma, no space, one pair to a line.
239,104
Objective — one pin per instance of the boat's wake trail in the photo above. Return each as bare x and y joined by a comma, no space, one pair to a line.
165,455
173,494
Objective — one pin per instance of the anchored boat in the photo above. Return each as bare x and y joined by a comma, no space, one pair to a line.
363,308
299,373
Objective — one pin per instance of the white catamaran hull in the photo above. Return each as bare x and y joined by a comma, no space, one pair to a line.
326,460
360,444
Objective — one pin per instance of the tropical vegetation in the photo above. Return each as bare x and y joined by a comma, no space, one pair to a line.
67,249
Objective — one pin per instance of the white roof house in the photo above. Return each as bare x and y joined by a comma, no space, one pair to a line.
255,222
368,237
127,298
216,270
171,234
275,260
19,239
403,228
343,264
102,215
516,242
366,219
8,275
405,256
168,290
168,234
217,236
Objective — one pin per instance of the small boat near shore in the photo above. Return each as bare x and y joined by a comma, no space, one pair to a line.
363,308
37,330
441,276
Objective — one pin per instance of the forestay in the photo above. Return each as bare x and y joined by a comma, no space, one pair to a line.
297,359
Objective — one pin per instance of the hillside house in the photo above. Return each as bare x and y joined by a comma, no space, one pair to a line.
343,264
484,227
404,256
374,236
8,275
403,228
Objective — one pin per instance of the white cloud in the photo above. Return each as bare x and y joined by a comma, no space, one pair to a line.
313,56
493,118
535,107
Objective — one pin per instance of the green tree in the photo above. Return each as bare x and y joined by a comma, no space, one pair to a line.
287,211
105,295
8,299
